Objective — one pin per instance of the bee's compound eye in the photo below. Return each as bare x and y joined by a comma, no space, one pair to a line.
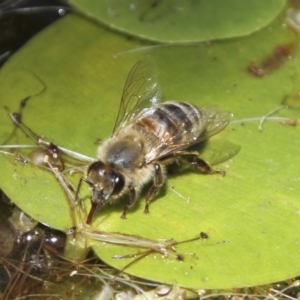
118,183
96,171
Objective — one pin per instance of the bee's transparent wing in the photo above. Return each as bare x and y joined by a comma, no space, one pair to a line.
214,120
141,90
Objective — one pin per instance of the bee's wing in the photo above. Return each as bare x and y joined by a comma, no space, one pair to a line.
213,121
141,90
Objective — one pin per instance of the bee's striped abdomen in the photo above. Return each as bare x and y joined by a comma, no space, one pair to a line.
170,122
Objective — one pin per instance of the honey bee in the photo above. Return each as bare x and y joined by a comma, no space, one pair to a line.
147,137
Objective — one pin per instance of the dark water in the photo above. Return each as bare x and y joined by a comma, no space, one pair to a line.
21,20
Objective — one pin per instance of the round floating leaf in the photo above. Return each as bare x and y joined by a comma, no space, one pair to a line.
172,21
247,215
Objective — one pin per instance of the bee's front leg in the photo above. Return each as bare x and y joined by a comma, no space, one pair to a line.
158,182
131,200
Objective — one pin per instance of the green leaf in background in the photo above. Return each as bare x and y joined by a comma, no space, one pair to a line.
172,21
249,215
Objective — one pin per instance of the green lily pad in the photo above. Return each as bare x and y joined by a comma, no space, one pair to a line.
248,214
172,21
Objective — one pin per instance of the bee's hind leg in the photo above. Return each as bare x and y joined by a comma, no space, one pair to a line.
158,182
197,164
200,165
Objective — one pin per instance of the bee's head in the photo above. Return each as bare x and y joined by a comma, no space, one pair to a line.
105,182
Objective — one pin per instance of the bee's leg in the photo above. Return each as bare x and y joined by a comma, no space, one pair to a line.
198,164
131,200
158,182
